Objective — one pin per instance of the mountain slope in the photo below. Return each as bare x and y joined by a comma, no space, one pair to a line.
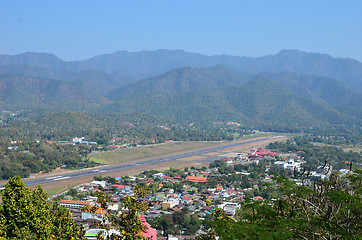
183,80
151,63
260,103
33,92
145,64
321,89
317,88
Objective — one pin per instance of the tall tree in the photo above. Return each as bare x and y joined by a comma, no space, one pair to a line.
27,214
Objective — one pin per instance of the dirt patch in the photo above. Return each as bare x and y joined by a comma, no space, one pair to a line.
192,158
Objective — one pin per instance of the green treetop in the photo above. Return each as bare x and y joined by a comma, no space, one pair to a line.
26,214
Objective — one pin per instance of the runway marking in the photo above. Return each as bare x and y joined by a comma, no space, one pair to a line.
54,177
62,178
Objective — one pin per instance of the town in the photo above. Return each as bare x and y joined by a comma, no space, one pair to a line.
180,200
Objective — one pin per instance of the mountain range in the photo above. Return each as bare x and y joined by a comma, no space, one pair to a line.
289,89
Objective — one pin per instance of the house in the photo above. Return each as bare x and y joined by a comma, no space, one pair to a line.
71,204
97,215
170,203
228,160
258,198
260,153
229,207
78,140
158,175
98,183
196,179
149,233
186,200
290,165
118,186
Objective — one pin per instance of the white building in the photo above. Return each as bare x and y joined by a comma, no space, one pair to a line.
290,165
78,140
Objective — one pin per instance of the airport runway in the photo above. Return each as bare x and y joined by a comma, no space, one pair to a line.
91,172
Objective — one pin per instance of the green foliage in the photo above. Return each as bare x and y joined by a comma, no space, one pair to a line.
259,104
312,154
328,210
176,222
42,156
26,214
127,220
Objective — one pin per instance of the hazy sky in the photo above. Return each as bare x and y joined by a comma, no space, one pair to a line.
77,30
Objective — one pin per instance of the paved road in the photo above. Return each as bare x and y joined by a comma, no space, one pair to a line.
32,182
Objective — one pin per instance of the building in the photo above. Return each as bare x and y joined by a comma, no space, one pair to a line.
290,165
196,179
149,232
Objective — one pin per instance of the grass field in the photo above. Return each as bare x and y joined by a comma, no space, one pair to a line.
138,153
192,158
56,190
357,148
346,148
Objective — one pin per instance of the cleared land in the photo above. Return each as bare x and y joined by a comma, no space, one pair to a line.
140,153
346,148
193,158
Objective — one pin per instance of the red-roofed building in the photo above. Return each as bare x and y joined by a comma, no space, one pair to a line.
258,198
149,232
261,153
118,186
196,179
227,160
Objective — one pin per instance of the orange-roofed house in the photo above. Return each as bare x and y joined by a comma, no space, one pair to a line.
258,198
196,179
97,215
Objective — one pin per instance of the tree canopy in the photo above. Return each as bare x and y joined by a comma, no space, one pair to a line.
328,210
27,214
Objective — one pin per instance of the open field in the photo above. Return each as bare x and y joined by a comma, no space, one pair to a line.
357,148
56,190
346,148
192,158
133,154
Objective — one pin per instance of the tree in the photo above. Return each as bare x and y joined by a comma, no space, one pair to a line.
126,220
329,210
26,214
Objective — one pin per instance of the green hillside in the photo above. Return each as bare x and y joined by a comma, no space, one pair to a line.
259,103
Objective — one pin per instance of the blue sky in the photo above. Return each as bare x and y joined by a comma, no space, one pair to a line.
77,30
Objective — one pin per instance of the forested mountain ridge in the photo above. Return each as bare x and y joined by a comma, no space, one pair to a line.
312,87
258,103
183,80
279,92
146,64
21,92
